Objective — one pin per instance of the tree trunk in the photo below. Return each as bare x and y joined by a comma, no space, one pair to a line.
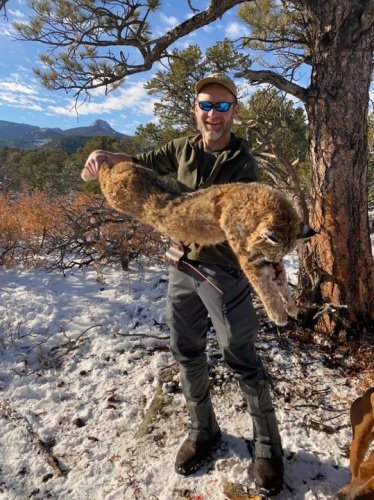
339,260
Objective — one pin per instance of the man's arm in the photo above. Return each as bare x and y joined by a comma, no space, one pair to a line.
162,160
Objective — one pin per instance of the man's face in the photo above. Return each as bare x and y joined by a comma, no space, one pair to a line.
215,125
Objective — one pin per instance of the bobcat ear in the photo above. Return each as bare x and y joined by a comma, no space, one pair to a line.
269,235
305,231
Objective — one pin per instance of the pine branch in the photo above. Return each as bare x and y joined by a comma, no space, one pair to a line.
3,6
74,62
277,80
191,6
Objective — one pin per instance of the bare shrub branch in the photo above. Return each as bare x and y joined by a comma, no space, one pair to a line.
71,231
42,448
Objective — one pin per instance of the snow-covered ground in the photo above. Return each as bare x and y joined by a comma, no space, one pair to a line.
83,356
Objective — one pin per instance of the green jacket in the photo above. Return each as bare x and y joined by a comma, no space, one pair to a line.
184,156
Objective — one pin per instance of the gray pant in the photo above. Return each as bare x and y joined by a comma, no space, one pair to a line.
190,300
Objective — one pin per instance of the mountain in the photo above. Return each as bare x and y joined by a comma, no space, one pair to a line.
23,136
98,127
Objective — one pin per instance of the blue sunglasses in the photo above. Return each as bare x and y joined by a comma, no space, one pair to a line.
221,107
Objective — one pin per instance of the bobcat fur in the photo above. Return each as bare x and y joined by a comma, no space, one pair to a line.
259,223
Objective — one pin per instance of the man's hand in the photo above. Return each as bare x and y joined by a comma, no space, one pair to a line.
93,164
95,161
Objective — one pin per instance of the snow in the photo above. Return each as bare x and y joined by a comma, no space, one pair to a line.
81,359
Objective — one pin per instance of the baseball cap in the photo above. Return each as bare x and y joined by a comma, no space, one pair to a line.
220,79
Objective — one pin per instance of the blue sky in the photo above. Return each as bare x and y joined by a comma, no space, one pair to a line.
24,100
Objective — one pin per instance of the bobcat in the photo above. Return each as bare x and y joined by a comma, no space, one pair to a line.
258,222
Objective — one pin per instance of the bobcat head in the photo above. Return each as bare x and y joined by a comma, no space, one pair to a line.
274,243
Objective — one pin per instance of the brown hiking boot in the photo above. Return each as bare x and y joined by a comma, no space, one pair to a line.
268,474
192,454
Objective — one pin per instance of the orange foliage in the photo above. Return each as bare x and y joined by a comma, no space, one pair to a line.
69,230
26,217
38,213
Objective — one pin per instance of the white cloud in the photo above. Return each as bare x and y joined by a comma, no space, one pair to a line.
15,87
182,45
169,21
16,94
17,13
7,30
235,30
17,101
165,24
186,41
20,72
132,97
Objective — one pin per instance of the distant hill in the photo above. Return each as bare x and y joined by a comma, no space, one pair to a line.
23,136
69,144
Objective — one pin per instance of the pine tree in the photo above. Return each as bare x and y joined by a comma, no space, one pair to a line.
335,40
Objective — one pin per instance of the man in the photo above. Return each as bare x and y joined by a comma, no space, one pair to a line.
208,282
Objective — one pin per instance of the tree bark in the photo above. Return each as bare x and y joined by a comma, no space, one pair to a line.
339,259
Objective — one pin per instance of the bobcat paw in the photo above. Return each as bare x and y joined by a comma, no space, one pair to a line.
292,310
280,319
